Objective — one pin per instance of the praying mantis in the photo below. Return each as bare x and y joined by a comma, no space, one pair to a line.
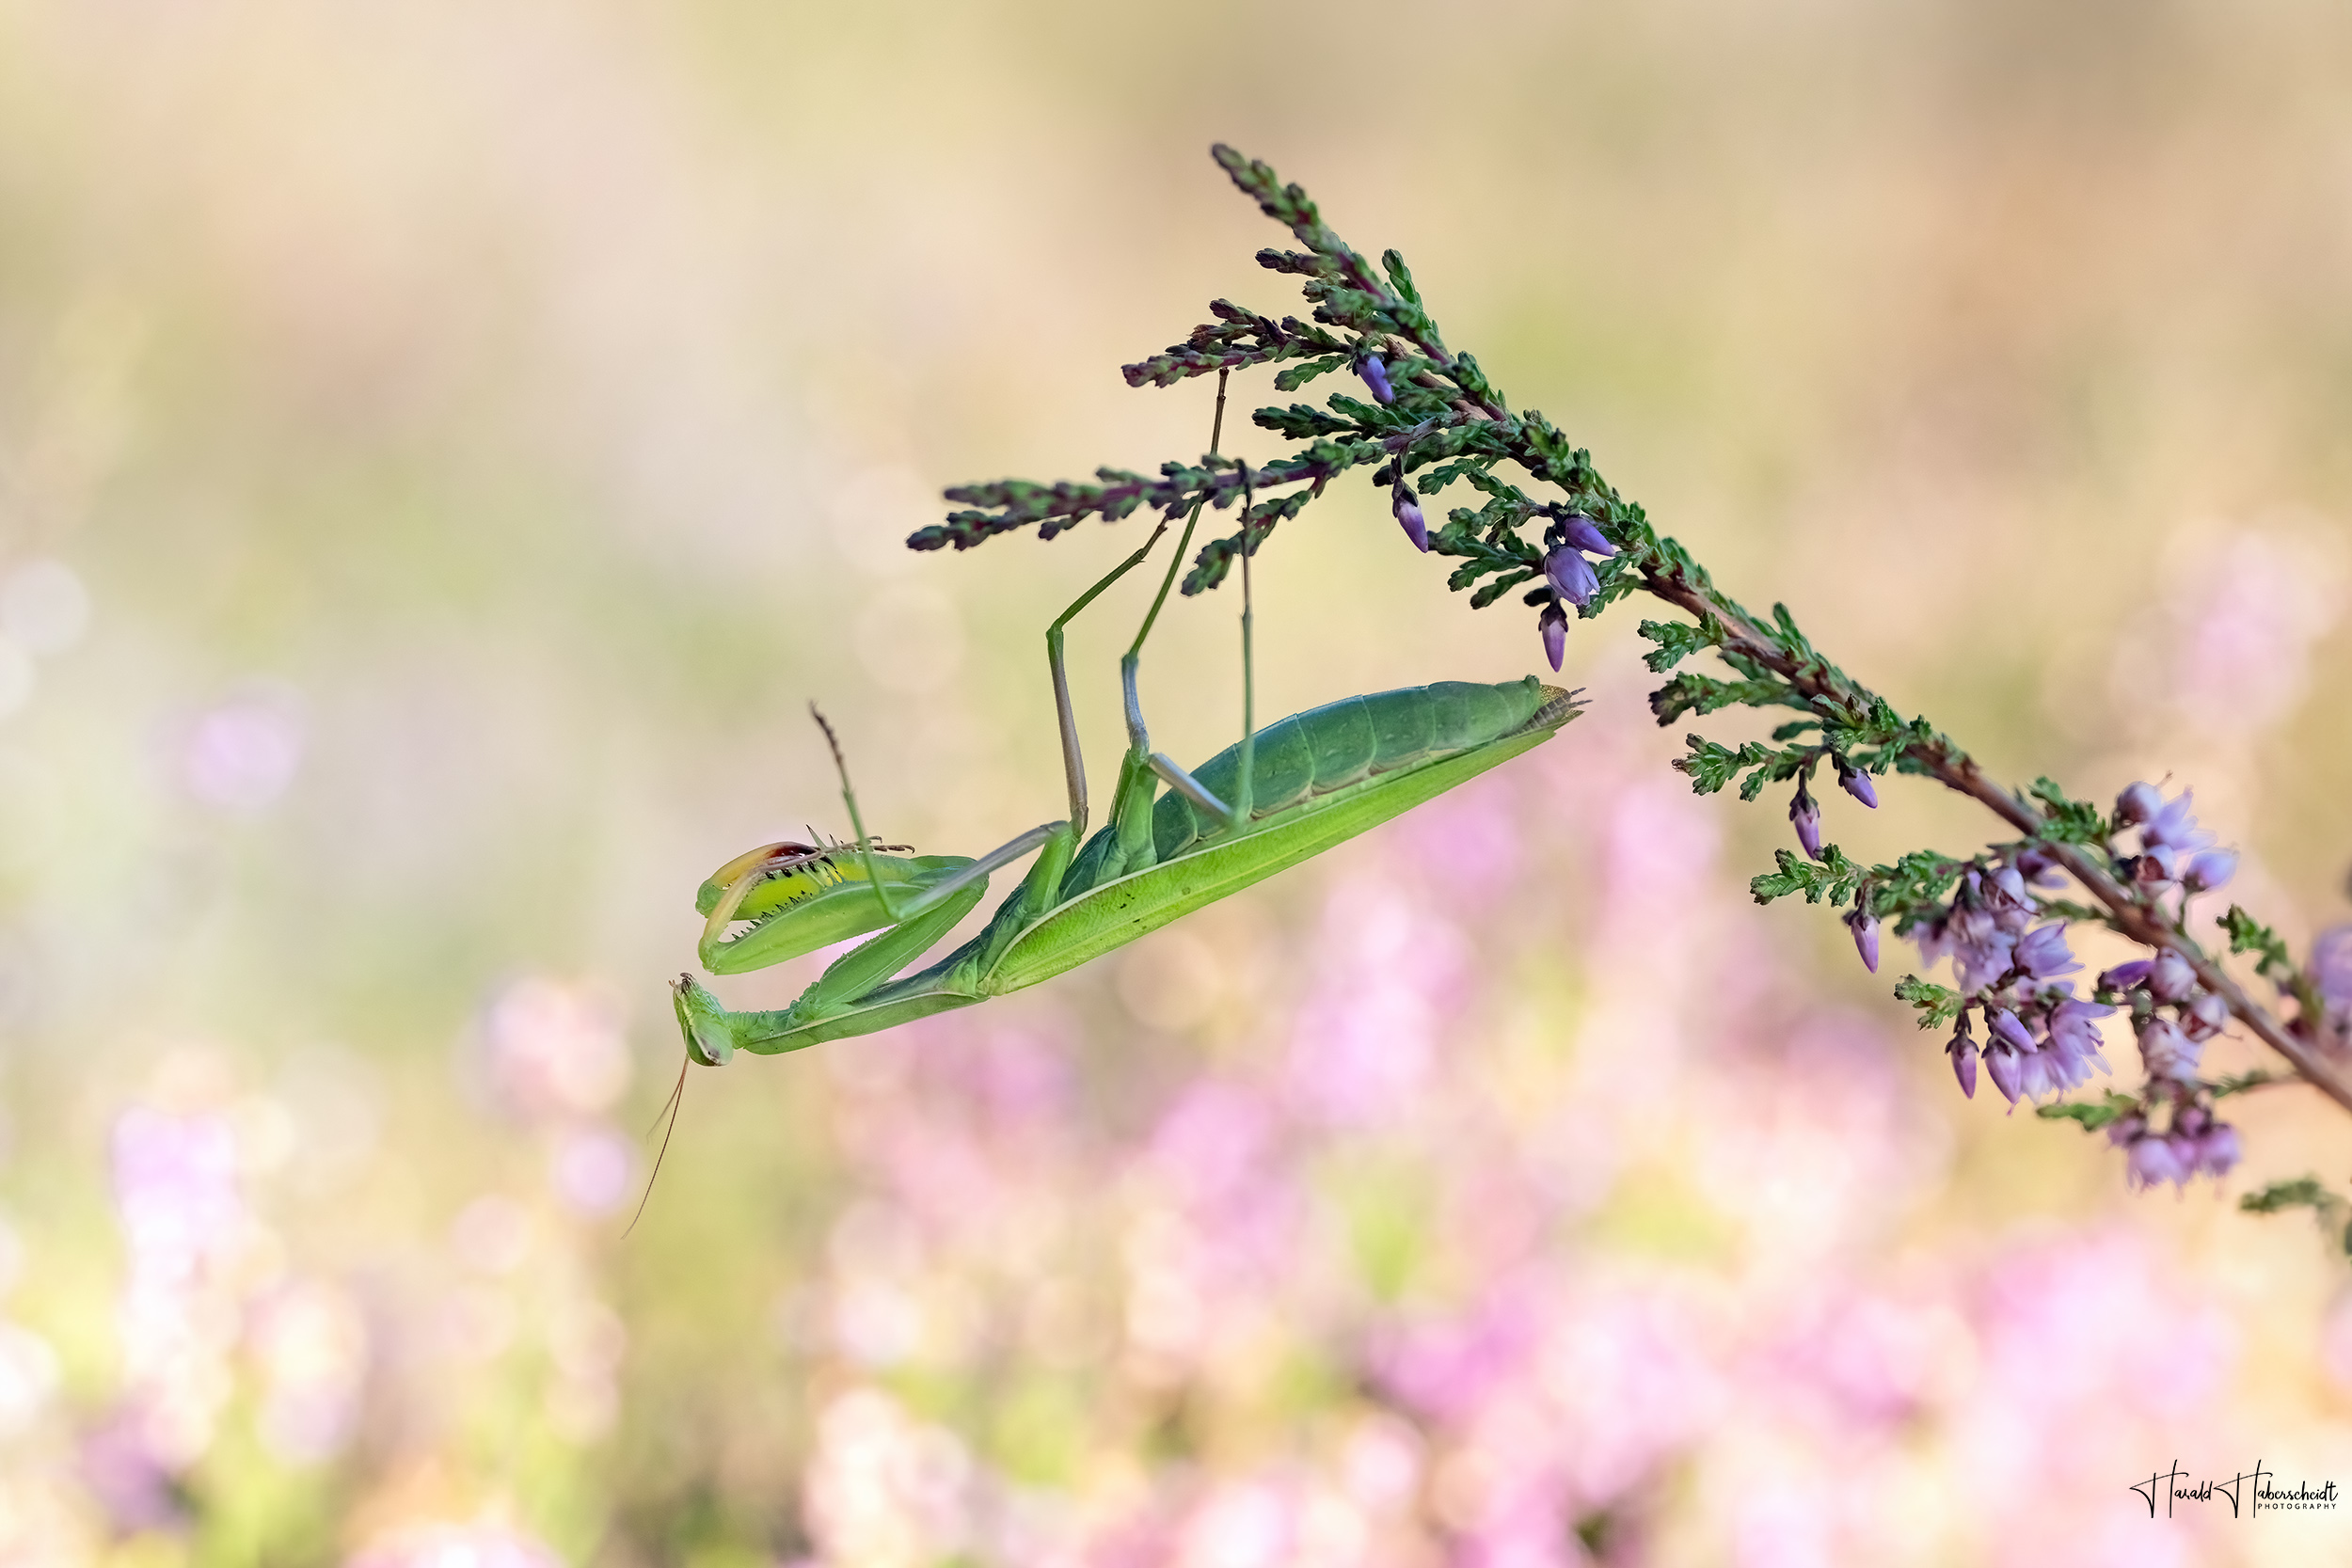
1278,797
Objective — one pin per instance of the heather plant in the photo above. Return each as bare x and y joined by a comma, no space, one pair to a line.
1547,531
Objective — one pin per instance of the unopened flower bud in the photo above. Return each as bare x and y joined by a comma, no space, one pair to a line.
1806,816
2126,1129
2171,978
1866,938
1408,509
1375,376
2123,976
1571,575
2038,865
2007,1072
2006,1025
2210,870
1585,536
1854,782
2138,803
1553,623
1963,1051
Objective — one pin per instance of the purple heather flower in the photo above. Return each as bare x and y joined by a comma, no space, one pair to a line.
1806,816
2123,976
2005,1023
2218,1149
1553,623
2124,1129
2138,803
2006,889
2068,1055
2002,1063
2075,1028
1408,509
1866,938
2152,1160
1571,575
2048,1072
2205,1017
2043,953
1375,376
1854,782
2167,1051
1980,949
1964,1053
1582,533
2332,964
2175,827
2171,978
2210,870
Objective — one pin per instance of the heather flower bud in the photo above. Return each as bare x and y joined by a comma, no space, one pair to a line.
1585,536
2210,870
2205,1017
2138,803
1571,576
2126,1129
2171,978
2039,866
2005,1023
1854,782
1408,509
1806,816
1375,376
1963,1051
2002,1063
2124,977
1866,938
1553,623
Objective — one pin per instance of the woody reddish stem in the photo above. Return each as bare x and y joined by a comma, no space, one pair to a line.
1955,770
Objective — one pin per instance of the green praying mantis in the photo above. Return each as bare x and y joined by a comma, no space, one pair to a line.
1278,797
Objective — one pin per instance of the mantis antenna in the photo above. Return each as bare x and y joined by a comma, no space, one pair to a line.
674,1106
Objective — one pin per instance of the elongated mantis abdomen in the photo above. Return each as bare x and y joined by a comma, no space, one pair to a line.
1347,767
1332,748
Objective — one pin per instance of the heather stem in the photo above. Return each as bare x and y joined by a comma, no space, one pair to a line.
1955,770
